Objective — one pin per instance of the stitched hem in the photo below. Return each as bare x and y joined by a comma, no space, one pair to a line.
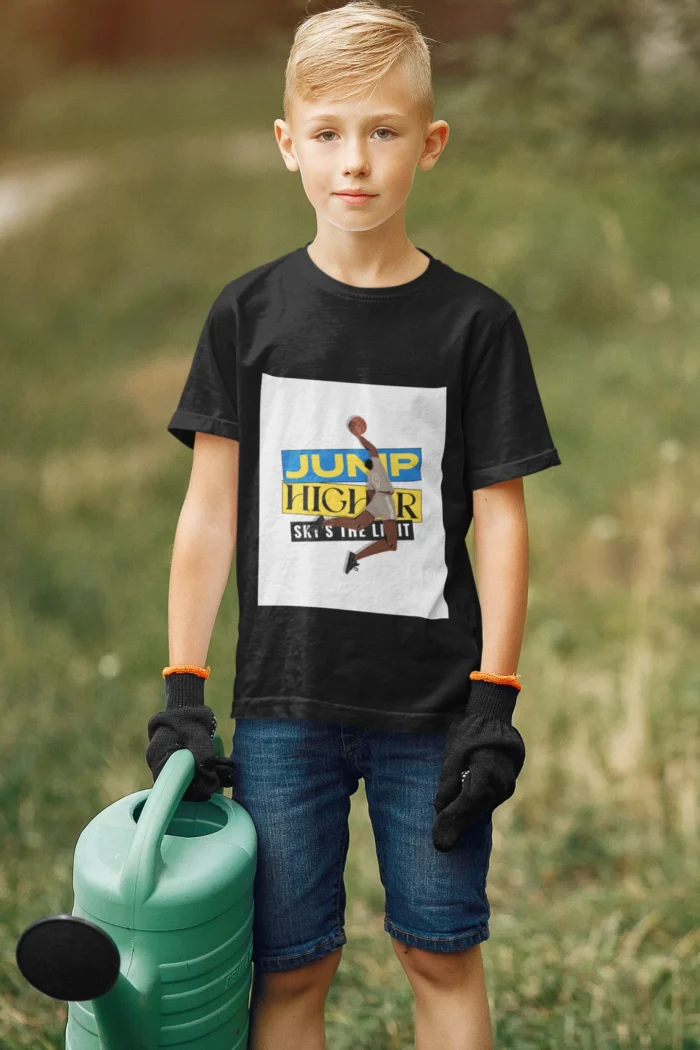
438,944
295,959
340,714
184,424
517,468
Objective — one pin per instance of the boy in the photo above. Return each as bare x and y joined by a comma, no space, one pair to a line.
385,673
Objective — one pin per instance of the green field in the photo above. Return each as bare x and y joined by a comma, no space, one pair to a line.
595,926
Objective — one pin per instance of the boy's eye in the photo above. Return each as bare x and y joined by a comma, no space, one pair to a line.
384,138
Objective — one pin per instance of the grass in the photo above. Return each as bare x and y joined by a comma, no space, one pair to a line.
595,926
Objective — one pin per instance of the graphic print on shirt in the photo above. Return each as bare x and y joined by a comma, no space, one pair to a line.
378,502
331,500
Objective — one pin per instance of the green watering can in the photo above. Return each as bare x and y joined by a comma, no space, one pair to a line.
157,952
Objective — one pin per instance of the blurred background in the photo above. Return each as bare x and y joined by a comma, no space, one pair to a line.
138,168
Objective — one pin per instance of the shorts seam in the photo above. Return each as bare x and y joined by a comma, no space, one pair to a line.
341,865
338,938
321,944
379,850
488,849
480,933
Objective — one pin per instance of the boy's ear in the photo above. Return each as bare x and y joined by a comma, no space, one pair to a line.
286,145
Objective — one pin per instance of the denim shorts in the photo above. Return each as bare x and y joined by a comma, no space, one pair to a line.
295,777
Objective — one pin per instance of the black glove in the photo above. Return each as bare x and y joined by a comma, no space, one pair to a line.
483,744
187,722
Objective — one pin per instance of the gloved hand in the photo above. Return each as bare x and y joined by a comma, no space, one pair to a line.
483,742
187,722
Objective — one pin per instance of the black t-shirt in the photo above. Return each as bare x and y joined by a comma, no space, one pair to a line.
440,373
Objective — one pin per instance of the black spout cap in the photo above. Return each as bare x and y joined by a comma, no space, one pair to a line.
68,958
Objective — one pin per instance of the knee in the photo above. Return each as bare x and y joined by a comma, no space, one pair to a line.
444,969
311,980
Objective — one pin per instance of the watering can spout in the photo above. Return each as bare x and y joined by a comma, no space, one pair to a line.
72,959
128,1017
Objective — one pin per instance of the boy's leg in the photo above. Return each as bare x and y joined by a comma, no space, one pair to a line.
437,909
452,1007
287,1009
291,777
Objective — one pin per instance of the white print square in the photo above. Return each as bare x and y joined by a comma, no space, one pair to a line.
308,456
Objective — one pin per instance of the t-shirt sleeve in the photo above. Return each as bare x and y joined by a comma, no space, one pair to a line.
209,400
505,429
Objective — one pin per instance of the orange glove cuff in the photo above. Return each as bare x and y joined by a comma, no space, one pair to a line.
203,672
499,679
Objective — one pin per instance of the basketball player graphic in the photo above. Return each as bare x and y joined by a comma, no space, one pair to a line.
380,503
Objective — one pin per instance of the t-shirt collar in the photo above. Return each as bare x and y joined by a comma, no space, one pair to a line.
313,273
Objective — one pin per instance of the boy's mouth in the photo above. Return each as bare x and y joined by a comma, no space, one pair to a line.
355,197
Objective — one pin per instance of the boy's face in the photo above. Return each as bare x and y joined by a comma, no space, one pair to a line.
373,144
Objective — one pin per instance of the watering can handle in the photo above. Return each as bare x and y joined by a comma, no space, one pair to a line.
144,861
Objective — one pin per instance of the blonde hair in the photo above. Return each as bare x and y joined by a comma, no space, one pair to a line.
341,52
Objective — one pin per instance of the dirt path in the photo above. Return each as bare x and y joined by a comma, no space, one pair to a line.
30,191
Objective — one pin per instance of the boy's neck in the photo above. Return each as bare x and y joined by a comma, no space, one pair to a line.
366,263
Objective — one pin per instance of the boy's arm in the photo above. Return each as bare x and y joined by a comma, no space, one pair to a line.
205,540
484,752
502,555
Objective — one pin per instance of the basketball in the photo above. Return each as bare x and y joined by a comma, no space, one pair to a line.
356,425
